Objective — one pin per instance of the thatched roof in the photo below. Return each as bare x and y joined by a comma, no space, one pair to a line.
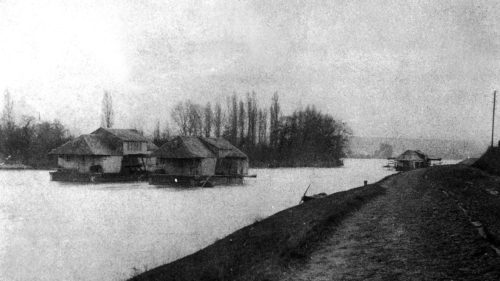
412,155
122,134
102,141
183,147
224,148
87,145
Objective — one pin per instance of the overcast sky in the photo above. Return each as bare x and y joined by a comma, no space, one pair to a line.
417,69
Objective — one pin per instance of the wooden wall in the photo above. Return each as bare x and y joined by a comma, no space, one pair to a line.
110,164
187,167
141,149
232,166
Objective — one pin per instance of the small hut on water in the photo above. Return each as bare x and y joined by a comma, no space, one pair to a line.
413,159
192,161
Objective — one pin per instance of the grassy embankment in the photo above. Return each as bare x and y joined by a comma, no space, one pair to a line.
261,250
429,224
476,194
425,227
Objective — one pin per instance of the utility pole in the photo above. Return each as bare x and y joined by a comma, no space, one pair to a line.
493,117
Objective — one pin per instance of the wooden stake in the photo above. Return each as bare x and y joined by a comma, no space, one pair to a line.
304,193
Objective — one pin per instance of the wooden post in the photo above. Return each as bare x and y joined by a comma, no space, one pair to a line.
493,117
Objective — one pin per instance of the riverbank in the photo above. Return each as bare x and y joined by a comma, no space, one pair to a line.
261,250
436,223
428,226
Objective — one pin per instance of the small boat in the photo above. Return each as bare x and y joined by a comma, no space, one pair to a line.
306,198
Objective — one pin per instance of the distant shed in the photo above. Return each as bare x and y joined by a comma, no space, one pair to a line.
413,159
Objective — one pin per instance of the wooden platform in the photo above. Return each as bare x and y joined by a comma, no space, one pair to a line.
14,167
193,181
66,176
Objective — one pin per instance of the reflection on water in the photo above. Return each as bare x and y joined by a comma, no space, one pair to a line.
61,231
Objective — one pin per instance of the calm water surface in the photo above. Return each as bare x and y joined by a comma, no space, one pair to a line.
59,231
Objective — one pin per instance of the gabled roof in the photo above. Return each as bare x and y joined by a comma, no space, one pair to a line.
122,134
225,148
102,141
86,145
183,147
412,155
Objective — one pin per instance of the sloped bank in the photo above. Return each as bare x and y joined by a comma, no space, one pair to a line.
489,161
476,193
260,250
425,227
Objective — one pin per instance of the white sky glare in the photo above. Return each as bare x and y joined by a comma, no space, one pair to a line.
416,69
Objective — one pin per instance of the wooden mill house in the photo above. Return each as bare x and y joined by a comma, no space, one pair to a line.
199,161
105,155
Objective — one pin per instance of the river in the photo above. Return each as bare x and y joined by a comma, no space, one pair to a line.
62,231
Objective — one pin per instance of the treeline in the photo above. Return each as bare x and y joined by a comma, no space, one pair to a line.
305,138
29,140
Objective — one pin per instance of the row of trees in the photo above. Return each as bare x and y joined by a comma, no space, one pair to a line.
28,140
242,122
305,138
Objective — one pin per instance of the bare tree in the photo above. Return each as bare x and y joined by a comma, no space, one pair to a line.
157,132
188,117
241,123
231,126
234,119
8,112
160,136
107,118
194,119
274,116
208,120
252,117
167,132
180,115
218,120
262,126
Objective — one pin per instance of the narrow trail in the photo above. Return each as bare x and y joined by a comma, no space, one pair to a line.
414,232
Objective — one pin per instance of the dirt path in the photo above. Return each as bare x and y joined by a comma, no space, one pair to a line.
414,232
